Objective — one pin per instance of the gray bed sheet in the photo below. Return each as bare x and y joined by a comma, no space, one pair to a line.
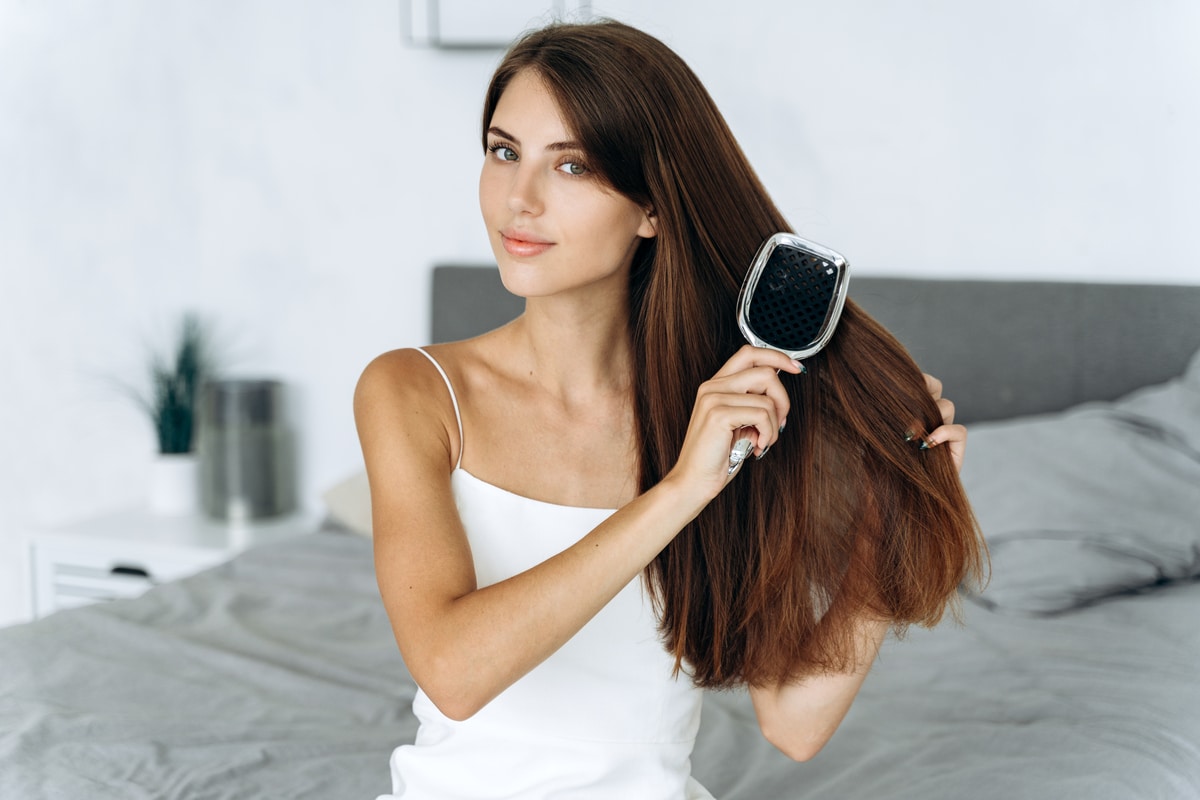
276,676
272,676
1099,704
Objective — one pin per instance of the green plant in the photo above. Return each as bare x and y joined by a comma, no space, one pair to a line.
175,382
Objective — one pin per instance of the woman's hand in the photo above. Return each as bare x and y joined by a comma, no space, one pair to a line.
948,432
745,399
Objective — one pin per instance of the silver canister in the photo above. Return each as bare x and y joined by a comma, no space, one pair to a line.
247,451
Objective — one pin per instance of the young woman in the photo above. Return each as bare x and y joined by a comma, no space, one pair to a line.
564,558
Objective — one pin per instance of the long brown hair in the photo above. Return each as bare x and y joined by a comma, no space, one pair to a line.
844,518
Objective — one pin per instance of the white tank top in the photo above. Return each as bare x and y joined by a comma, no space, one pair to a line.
600,718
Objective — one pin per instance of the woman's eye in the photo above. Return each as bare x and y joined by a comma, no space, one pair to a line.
573,168
503,153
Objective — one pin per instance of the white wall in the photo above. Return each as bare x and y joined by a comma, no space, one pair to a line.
292,170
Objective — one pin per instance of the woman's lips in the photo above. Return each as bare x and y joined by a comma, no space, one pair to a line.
523,245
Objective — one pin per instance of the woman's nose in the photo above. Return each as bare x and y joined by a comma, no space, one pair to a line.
525,194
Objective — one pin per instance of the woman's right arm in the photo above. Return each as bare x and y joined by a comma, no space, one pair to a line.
464,644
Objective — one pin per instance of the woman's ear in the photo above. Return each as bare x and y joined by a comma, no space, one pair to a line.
649,226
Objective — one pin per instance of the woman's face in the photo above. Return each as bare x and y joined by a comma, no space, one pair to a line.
553,225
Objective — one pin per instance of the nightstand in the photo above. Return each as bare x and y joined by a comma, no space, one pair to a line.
124,554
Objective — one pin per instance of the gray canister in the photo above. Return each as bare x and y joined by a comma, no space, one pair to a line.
247,453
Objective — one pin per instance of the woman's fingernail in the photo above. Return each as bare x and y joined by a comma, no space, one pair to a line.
909,435
927,444
782,425
763,453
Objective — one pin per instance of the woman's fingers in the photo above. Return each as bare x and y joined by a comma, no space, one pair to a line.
946,409
932,385
953,435
744,399
717,420
948,432
755,370
760,382
748,357
732,412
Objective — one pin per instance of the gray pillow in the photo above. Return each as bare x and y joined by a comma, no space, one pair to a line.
1098,500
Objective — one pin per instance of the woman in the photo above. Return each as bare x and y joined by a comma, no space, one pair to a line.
564,558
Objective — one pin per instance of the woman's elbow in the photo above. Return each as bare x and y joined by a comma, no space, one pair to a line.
454,703
798,746
457,711
444,684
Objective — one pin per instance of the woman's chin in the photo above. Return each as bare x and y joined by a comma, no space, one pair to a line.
521,280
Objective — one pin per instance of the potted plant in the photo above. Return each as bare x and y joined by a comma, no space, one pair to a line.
172,405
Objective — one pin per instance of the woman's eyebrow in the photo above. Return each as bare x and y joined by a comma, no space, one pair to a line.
503,134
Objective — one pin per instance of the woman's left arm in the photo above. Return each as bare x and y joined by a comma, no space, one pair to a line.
799,717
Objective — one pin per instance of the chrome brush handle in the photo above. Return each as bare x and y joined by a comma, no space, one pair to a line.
739,453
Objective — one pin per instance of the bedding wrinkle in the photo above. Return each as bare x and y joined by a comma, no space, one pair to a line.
1157,432
179,694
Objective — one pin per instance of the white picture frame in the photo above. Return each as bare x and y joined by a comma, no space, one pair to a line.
481,24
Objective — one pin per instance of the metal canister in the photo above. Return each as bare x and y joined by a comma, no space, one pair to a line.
247,451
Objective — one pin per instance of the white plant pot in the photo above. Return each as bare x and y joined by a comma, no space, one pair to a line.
175,484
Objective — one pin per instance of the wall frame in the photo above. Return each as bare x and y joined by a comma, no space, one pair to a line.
480,24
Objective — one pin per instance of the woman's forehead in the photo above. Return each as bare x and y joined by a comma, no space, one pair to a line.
529,112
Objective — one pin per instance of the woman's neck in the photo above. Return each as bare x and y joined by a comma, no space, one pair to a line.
575,349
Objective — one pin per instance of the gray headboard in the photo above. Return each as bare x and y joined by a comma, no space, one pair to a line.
1001,348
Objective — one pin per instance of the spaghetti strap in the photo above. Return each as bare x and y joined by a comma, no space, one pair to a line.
453,399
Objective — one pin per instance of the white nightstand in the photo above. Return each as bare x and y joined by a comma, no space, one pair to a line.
126,553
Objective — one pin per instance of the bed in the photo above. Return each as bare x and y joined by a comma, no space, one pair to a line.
1074,674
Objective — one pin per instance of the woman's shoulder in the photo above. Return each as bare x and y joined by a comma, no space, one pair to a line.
410,363
396,370
401,391
411,377
398,395
405,374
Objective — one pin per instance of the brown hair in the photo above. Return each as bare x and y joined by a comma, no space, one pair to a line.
844,518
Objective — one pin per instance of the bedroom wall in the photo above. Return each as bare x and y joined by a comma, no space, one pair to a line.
291,170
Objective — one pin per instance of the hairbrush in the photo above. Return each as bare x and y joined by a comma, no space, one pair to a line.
791,301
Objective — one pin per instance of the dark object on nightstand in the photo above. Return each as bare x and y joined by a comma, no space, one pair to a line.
247,452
